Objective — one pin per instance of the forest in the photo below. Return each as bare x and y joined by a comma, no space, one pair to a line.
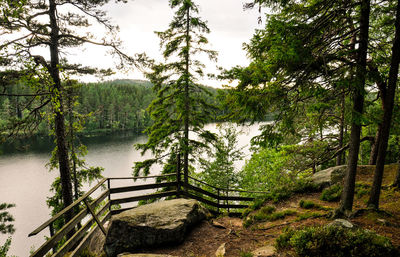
324,74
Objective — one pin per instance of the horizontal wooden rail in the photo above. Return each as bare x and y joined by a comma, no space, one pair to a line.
202,191
85,241
200,199
143,197
235,198
143,177
75,203
77,242
141,187
51,242
79,234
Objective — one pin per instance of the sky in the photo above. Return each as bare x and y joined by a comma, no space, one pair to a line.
230,27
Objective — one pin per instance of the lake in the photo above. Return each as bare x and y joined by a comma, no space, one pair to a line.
25,180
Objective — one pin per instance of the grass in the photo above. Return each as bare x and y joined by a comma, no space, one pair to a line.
307,204
267,213
308,215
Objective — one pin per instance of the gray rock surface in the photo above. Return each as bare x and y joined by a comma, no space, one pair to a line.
342,223
330,176
150,225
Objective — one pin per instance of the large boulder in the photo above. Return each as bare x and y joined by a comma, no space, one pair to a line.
155,224
328,177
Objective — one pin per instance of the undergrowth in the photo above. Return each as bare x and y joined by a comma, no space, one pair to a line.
330,241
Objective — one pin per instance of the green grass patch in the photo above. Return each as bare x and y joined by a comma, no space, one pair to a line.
307,204
332,193
308,215
331,241
267,213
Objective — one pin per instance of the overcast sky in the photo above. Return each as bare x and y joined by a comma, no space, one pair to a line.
230,27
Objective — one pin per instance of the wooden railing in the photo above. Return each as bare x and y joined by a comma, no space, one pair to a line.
95,213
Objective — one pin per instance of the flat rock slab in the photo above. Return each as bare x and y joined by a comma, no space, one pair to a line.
155,224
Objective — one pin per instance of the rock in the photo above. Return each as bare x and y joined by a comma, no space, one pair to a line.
265,251
217,224
342,223
142,255
150,225
330,176
220,251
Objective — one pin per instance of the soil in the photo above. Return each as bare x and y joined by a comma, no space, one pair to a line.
207,237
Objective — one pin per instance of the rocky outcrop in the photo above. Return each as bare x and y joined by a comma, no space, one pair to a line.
150,225
330,176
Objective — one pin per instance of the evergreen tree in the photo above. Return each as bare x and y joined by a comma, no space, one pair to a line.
178,108
55,25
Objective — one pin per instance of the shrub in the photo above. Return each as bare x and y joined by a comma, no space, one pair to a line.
332,241
332,194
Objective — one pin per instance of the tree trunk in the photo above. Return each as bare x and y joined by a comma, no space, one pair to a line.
373,201
65,175
374,148
346,203
187,104
396,182
339,158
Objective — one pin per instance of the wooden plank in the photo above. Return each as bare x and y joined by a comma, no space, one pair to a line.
51,242
204,183
69,207
95,216
85,241
79,234
202,191
200,199
141,187
236,198
144,177
143,197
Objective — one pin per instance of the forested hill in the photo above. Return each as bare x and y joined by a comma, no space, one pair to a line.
104,106
115,105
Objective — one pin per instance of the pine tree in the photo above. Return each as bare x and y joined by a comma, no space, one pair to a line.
55,25
178,109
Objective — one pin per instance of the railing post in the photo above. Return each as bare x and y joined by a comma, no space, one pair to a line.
178,176
109,193
218,200
51,228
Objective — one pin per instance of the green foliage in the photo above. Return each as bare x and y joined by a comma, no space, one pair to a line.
6,218
178,111
332,193
266,170
307,204
333,241
246,254
308,215
6,227
267,213
5,247
218,168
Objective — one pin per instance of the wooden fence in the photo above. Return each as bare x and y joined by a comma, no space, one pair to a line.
96,211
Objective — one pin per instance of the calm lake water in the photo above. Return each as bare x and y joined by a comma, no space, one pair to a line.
25,180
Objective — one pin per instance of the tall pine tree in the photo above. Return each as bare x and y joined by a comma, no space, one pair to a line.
178,110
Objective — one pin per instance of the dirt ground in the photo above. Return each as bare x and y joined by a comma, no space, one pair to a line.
229,233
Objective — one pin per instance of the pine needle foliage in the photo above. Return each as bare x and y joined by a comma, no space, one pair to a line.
177,135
